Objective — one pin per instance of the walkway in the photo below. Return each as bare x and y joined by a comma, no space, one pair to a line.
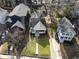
54,47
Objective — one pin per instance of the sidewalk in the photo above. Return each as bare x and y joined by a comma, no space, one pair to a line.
14,57
54,47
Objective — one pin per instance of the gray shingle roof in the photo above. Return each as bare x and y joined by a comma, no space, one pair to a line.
65,25
34,21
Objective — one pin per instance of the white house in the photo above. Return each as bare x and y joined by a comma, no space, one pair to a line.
37,24
39,27
65,30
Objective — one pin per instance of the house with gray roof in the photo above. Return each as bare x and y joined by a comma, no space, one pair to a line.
3,15
76,8
18,24
65,30
37,24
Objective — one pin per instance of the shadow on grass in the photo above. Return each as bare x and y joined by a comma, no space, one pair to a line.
43,40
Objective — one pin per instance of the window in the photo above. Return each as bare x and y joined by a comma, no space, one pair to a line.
40,30
67,34
61,37
63,33
71,34
69,38
66,37
20,29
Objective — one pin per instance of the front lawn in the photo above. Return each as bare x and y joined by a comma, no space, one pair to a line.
29,49
44,47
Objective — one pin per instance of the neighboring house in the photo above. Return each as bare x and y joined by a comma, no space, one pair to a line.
65,31
37,25
3,16
19,13
62,3
20,10
12,2
18,24
76,8
76,25
18,33
12,20
40,2
37,2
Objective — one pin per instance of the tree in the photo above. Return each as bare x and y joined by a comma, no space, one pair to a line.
68,11
57,14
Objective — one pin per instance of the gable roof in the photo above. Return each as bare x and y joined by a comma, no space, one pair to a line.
18,24
20,10
39,26
9,20
3,15
35,18
33,22
14,18
65,25
35,15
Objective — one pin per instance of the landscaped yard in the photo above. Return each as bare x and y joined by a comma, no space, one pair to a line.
29,49
44,47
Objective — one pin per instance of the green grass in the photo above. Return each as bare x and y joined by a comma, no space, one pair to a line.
53,31
44,48
29,49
